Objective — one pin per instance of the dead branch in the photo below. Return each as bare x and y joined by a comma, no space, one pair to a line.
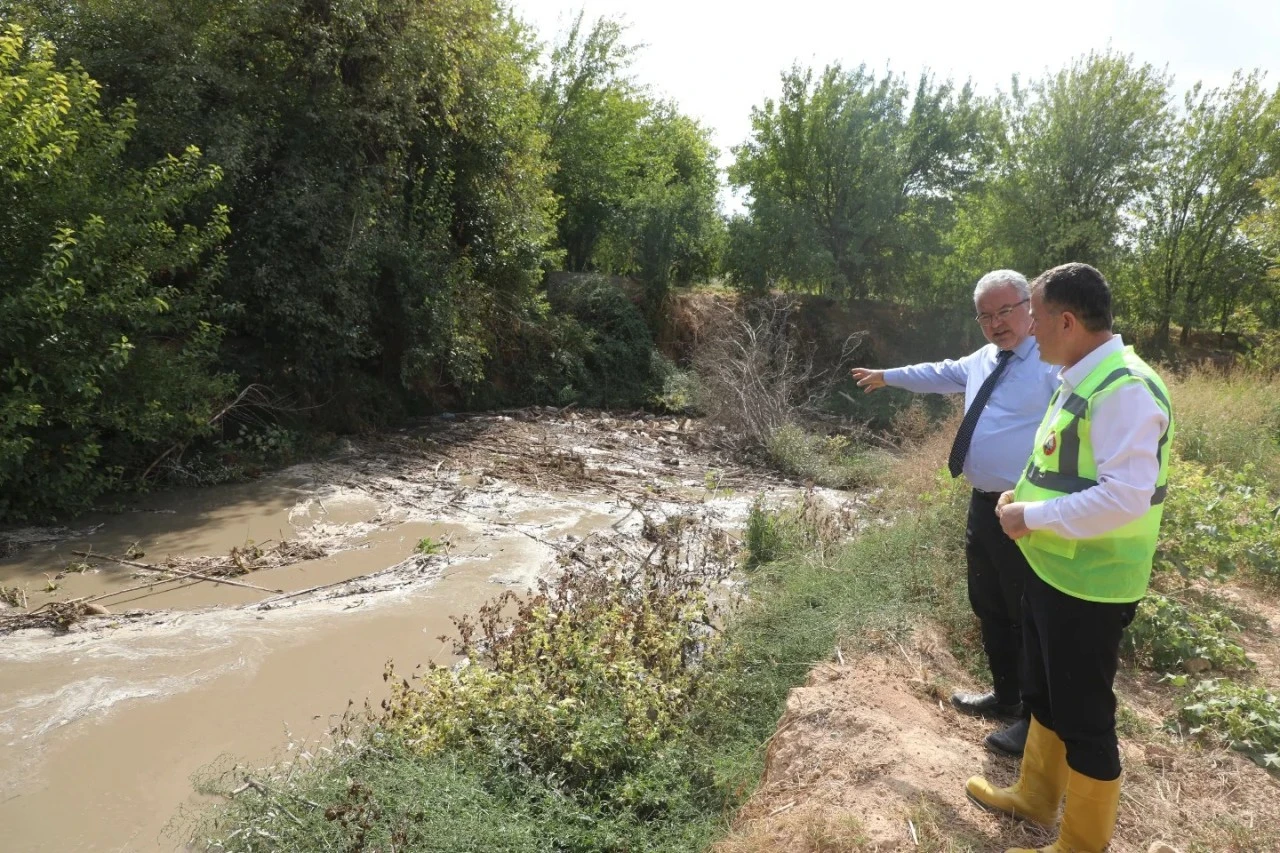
173,575
253,389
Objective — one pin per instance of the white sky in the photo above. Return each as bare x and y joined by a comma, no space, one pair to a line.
718,59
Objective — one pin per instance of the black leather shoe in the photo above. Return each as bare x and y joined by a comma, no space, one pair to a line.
986,705
1010,741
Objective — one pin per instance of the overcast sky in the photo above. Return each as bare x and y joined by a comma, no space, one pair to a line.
717,59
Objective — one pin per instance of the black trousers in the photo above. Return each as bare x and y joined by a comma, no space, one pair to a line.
997,576
1073,649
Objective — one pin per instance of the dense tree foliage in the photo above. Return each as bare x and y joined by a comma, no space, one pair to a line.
1198,265
636,180
855,188
110,324
852,179
383,165
357,203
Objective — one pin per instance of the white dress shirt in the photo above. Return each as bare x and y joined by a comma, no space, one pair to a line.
1125,429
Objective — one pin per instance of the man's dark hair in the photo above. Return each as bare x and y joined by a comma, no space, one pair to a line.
1080,289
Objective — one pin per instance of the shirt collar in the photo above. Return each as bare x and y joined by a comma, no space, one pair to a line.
1076,373
1023,350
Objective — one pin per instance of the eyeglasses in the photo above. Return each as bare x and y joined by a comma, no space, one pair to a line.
1001,315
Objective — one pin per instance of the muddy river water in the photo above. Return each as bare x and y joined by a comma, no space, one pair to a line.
104,727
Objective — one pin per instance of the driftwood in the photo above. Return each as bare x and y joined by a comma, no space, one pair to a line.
172,574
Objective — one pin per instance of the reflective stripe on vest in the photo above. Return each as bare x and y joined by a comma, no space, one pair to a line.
1114,567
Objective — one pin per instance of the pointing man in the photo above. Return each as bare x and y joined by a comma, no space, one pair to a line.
1007,388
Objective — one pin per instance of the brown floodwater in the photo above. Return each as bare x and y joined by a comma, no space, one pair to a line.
103,728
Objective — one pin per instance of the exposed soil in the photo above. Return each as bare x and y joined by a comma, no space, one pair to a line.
869,756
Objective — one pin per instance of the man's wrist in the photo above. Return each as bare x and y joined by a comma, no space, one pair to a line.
1035,515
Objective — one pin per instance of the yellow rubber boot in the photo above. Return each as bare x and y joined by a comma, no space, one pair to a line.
1089,818
1042,780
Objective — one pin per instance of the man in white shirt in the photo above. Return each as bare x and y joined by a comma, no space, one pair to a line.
1086,513
1006,388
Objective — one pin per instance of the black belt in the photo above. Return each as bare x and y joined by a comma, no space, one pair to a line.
989,496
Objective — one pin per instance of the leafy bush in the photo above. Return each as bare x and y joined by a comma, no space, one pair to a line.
1217,523
589,679
830,461
765,536
110,337
603,352
677,390
1166,636
1246,718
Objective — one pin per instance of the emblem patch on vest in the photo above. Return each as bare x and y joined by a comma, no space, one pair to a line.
1050,443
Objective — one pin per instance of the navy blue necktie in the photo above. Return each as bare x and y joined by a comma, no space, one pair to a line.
964,435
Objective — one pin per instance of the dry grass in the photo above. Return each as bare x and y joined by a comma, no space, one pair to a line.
918,471
1230,419
803,830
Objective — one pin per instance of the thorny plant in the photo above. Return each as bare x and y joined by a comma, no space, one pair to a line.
755,377
583,677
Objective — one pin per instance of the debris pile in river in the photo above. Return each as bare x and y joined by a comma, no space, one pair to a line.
240,560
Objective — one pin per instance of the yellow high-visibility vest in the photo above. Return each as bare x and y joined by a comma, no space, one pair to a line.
1115,567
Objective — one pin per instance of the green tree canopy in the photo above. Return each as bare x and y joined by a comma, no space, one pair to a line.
383,162
1079,147
1196,261
850,177
110,333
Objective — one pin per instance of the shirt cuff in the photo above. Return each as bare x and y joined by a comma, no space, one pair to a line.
893,376
1037,515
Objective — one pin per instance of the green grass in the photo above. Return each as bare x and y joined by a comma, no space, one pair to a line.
830,461
1229,420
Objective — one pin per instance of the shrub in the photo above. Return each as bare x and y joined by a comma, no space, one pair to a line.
677,390
1166,636
110,337
1246,718
765,537
756,376
829,461
588,679
1217,523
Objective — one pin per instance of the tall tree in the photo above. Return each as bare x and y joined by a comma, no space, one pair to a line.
383,164
1080,146
1195,259
670,228
110,332
849,176
591,112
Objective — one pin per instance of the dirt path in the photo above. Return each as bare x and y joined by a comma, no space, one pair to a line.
104,719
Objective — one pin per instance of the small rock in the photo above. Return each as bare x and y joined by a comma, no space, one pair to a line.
1161,847
1195,666
96,610
447,416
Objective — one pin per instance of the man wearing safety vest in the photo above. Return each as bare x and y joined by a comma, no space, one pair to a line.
1086,514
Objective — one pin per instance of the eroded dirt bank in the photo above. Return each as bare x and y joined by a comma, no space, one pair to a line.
869,756
104,717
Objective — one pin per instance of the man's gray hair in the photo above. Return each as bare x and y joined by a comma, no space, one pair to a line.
1000,278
